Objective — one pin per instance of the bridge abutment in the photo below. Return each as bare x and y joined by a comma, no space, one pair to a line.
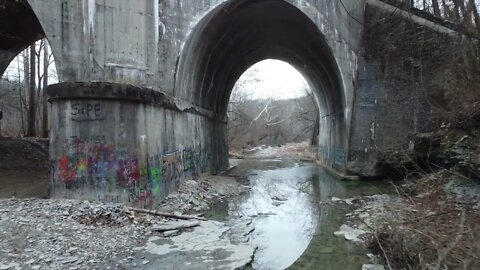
121,143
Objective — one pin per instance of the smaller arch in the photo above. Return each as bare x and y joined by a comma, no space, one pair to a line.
19,27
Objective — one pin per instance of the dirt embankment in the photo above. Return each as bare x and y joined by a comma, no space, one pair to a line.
24,168
432,219
432,223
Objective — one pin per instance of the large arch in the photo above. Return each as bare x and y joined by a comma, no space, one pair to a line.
237,34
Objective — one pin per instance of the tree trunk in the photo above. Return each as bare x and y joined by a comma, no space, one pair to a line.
436,8
456,11
474,10
44,97
38,95
24,91
31,101
461,6
316,128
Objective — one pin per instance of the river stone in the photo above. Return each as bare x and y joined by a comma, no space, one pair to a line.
373,267
171,233
349,233
8,266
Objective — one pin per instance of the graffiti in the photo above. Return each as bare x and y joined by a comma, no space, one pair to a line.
91,161
96,139
66,171
172,167
188,158
110,198
335,155
339,156
84,111
129,172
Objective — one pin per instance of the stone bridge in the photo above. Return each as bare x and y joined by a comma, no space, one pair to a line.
144,85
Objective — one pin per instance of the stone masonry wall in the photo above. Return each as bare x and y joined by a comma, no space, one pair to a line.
415,77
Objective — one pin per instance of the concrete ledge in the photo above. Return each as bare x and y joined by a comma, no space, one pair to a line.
336,173
113,91
419,17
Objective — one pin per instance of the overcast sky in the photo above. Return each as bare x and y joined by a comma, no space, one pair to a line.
272,79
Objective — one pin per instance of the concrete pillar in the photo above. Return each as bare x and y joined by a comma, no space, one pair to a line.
121,143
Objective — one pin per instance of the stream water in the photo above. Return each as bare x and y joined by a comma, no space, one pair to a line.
292,228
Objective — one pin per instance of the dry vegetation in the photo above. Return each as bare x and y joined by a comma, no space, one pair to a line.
436,230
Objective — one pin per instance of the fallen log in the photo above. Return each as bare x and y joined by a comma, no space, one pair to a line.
175,225
164,214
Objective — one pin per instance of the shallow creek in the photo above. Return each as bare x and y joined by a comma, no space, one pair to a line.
293,229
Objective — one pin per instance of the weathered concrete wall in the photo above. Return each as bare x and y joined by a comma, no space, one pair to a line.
415,76
156,78
126,144
222,39
147,44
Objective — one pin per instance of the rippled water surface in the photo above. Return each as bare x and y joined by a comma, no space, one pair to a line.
292,228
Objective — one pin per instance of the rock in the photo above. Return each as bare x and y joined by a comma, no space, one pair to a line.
214,244
145,262
67,260
348,201
175,225
363,215
267,214
349,233
277,203
278,198
373,267
8,266
171,233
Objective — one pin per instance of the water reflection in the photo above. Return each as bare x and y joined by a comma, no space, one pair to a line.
291,226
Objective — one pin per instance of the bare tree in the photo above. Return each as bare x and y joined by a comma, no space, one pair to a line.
31,102
24,83
436,8
46,63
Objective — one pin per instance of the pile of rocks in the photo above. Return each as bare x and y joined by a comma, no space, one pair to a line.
108,214
199,195
66,234
71,234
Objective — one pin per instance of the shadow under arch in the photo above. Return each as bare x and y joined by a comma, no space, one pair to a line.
19,27
237,34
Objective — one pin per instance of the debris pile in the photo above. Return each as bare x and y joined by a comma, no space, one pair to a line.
64,234
199,195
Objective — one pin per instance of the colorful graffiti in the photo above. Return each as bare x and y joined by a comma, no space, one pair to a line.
92,163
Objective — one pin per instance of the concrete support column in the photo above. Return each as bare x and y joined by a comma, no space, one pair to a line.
122,143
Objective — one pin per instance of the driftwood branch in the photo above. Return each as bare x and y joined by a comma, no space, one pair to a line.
163,214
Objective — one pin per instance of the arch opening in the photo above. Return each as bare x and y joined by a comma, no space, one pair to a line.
236,35
25,164
271,106
19,27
